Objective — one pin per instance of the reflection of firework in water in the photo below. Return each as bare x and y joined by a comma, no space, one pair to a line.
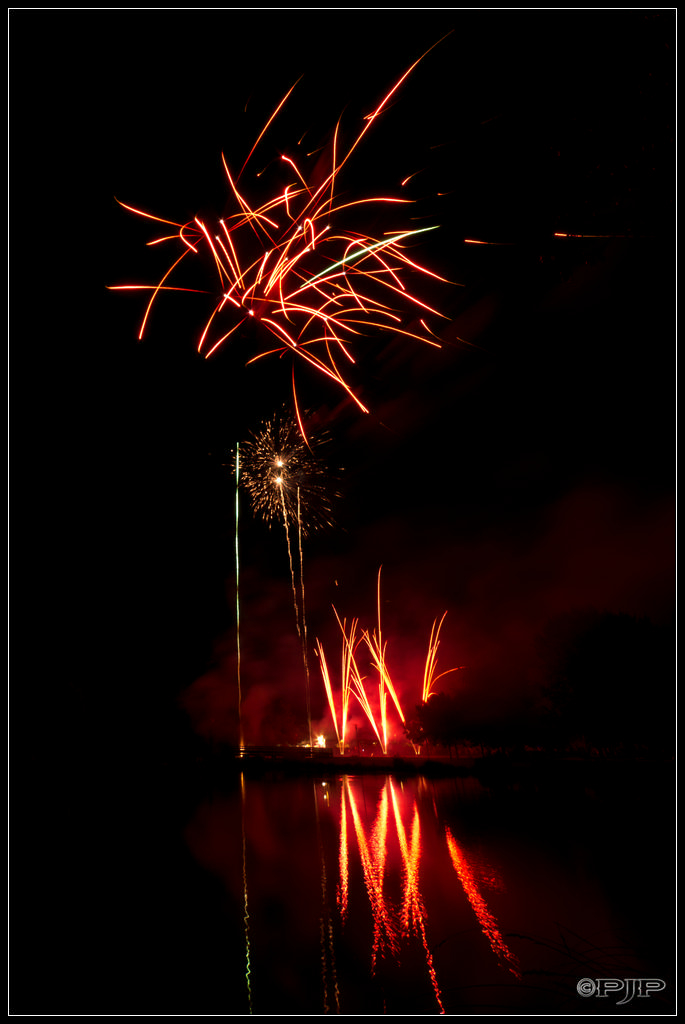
394,926
301,264
283,476
390,929
486,919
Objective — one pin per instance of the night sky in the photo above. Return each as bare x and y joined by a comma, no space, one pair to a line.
523,470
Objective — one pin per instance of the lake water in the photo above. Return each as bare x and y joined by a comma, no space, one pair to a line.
203,890
375,894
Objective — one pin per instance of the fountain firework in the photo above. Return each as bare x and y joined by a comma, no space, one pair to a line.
352,682
429,676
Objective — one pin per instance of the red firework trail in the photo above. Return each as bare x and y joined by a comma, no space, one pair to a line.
282,262
352,682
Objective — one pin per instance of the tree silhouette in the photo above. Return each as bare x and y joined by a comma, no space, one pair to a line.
609,681
436,721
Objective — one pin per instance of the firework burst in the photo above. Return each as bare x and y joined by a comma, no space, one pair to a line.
301,263
286,481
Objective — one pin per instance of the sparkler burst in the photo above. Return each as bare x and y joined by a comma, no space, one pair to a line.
286,481
301,263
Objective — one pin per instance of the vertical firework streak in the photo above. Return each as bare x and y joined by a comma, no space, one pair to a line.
350,672
241,747
305,654
352,682
298,603
292,569
385,684
329,693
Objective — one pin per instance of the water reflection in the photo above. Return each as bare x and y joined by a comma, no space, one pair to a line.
372,894
329,979
486,920
246,914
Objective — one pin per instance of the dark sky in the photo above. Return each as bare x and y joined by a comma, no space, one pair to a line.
507,480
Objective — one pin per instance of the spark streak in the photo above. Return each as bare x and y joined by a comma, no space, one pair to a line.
385,684
352,682
237,597
429,676
289,229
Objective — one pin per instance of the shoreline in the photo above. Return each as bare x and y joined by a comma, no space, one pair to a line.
538,769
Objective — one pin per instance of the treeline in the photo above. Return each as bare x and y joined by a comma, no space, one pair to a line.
609,688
